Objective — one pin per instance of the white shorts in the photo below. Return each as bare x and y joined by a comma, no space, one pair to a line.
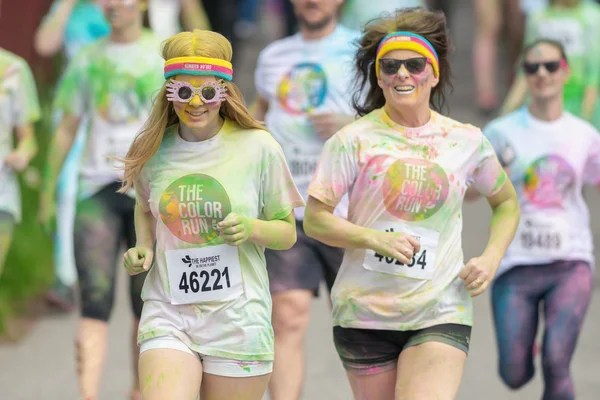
210,364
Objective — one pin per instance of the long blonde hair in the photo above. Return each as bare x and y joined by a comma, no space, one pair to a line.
147,142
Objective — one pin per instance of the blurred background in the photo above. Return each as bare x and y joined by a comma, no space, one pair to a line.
36,337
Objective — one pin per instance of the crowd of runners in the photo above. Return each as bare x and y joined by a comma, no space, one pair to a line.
343,169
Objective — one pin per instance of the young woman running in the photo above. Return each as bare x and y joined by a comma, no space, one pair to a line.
550,155
402,309
213,191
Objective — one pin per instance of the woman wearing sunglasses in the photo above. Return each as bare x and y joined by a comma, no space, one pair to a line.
550,155
213,191
402,308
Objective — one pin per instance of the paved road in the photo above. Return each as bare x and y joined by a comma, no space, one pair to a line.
42,366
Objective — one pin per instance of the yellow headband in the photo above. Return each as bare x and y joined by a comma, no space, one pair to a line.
199,66
407,41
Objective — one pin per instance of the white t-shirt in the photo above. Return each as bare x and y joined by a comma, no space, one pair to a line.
190,187
164,17
299,77
113,85
411,180
18,106
549,162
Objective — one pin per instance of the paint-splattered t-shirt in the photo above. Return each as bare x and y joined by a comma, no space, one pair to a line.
18,106
548,164
299,77
578,30
411,180
113,85
190,187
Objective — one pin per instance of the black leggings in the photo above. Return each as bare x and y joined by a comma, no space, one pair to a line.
101,223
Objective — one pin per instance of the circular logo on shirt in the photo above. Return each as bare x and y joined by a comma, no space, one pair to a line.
192,206
547,181
414,189
303,88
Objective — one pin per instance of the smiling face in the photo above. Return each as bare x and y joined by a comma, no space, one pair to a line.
546,72
196,115
405,89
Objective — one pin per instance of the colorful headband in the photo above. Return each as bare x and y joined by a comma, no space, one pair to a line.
199,66
408,41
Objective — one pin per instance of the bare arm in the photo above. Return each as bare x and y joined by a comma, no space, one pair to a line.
277,234
516,95
26,148
588,107
145,225
194,16
49,38
59,148
259,108
320,223
506,214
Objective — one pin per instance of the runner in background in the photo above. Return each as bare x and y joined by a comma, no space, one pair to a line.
304,84
19,110
213,191
69,26
573,23
111,84
402,307
550,155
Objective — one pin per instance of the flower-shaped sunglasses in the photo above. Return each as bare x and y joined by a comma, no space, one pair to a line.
210,92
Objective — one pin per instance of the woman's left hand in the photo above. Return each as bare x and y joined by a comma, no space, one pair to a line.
235,229
478,274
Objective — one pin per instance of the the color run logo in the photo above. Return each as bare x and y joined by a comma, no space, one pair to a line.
547,180
303,89
414,189
192,206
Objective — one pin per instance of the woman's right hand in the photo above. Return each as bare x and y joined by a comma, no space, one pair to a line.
398,245
138,260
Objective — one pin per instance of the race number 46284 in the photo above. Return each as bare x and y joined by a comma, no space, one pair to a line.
422,263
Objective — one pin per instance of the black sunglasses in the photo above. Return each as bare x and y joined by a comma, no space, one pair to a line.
391,66
550,66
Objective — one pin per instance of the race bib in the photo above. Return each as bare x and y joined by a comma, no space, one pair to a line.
302,166
198,275
541,235
422,264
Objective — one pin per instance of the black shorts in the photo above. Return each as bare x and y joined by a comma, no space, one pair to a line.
371,351
303,266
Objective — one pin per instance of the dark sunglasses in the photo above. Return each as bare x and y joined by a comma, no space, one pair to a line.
550,66
391,66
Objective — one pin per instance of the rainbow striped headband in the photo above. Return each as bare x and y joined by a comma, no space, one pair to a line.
199,66
408,41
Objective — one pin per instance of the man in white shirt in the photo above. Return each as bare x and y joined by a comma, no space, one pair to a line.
304,85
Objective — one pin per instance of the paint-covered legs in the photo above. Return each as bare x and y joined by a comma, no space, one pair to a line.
291,315
430,370
565,289
169,374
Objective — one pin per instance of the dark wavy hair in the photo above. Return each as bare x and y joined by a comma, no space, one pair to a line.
429,24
